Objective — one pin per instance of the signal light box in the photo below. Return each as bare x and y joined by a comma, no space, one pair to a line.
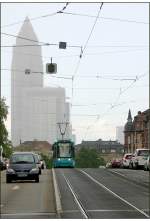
51,68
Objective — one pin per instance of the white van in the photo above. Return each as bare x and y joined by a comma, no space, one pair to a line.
139,158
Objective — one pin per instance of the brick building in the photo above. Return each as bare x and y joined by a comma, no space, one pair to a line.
136,132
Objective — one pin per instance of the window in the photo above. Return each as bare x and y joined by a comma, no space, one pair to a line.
113,151
64,150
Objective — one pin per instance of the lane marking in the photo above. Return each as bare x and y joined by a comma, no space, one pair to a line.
111,210
57,194
116,195
16,187
76,198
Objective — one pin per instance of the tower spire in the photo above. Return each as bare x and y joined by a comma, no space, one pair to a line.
129,119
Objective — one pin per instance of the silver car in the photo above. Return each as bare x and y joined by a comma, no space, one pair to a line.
139,158
126,160
147,163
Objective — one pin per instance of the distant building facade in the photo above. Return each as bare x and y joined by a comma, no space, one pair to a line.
107,149
120,134
136,132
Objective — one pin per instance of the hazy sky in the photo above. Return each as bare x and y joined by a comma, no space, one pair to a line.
112,75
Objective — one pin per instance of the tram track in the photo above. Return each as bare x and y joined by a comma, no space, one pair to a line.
78,182
77,200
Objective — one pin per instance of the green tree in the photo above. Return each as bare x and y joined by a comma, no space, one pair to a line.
4,141
88,158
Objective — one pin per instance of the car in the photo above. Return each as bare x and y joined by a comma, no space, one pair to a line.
126,160
38,163
147,163
139,158
22,166
42,162
116,163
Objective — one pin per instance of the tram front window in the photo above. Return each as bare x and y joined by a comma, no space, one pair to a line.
64,150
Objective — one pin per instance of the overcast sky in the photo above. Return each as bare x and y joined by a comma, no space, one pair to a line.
113,73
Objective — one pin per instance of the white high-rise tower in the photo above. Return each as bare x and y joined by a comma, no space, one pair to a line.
35,110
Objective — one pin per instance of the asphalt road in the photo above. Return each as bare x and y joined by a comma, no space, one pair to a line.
28,199
100,193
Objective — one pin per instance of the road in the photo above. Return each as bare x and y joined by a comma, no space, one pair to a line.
81,193
28,199
101,193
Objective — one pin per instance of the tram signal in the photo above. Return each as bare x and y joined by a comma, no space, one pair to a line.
62,45
51,68
27,71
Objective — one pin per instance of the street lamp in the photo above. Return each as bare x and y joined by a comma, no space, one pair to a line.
1,149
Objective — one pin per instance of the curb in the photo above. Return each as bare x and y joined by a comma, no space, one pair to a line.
57,195
129,179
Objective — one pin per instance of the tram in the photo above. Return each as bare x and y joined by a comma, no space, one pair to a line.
63,154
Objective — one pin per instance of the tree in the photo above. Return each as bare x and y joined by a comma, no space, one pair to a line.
4,141
88,158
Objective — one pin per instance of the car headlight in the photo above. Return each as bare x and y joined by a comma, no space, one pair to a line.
9,170
58,158
69,159
34,170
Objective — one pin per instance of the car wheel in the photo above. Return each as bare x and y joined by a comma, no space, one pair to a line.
135,166
130,166
37,179
8,180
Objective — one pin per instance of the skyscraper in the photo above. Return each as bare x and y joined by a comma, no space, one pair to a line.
35,110
120,134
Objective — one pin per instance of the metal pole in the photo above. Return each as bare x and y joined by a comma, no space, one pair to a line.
1,152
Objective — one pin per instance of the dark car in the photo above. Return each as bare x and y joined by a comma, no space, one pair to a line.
22,166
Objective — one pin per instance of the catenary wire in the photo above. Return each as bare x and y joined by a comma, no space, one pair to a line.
39,17
107,18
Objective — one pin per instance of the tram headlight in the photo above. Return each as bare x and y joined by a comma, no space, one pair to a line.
69,159
59,159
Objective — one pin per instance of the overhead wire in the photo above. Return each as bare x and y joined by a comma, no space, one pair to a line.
32,40
114,105
39,17
83,49
107,18
76,14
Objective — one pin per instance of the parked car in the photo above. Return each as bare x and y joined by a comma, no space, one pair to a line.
126,160
22,166
139,158
147,163
42,162
116,163
38,163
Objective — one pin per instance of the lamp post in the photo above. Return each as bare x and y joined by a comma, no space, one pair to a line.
1,149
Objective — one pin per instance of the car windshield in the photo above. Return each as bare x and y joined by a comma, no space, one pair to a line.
143,152
37,160
128,156
22,158
65,150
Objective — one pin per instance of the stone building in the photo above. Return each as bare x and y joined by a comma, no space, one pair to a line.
136,132
107,149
